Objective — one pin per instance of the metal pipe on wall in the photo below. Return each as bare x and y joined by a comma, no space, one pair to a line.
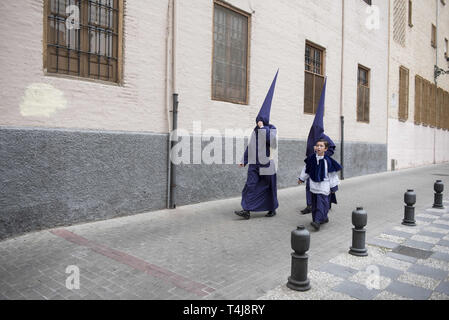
436,84
341,86
171,88
342,157
172,203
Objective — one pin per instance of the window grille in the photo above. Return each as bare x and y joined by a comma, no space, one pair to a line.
82,38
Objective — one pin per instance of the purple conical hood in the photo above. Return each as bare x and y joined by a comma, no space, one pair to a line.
264,113
317,129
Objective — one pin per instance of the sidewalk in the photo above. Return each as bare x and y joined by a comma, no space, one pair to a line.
404,263
204,251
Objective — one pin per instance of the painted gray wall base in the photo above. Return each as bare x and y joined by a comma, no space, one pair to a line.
201,182
364,158
52,178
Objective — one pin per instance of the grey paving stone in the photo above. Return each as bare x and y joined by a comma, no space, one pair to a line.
443,242
401,257
423,219
441,226
398,233
382,243
418,244
412,252
389,272
407,290
356,290
428,271
338,270
431,234
434,213
443,287
440,256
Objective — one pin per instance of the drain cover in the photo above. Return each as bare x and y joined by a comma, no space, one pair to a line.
413,252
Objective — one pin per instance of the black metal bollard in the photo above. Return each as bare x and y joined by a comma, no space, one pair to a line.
438,199
409,210
359,220
300,242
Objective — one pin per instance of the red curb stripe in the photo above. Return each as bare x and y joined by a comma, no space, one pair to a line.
136,263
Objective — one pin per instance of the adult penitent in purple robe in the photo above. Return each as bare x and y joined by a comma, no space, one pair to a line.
260,191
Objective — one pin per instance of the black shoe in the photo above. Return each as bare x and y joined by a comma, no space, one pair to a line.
244,214
325,221
306,210
271,213
315,225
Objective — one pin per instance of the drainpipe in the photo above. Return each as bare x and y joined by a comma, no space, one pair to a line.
342,157
342,118
171,96
392,167
172,202
436,84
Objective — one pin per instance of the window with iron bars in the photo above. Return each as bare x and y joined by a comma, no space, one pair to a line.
363,94
230,54
313,77
83,38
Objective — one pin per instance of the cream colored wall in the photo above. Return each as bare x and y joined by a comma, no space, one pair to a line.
415,145
279,30
367,47
31,99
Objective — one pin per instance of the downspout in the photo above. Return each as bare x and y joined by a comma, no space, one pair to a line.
167,95
170,97
436,83
388,84
172,203
342,119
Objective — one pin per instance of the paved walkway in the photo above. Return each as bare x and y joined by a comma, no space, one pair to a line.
204,251
403,263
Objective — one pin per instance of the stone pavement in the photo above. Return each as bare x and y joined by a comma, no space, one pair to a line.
204,251
403,263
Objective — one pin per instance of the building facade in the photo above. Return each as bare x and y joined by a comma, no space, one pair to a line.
418,101
87,97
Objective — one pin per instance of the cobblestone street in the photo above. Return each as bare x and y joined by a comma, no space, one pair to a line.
205,251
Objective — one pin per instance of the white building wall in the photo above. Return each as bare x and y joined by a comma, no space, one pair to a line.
366,44
137,105
278,33
409,144
279,30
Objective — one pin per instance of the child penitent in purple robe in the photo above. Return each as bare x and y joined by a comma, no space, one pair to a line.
322,171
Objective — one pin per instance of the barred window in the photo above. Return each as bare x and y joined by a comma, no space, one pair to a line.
410,13
403,94
433,36
83,38
363,93
418,99
446,111
431,104
440,109
313,77
230,54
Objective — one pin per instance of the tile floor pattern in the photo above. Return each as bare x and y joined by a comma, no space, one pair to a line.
403,263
